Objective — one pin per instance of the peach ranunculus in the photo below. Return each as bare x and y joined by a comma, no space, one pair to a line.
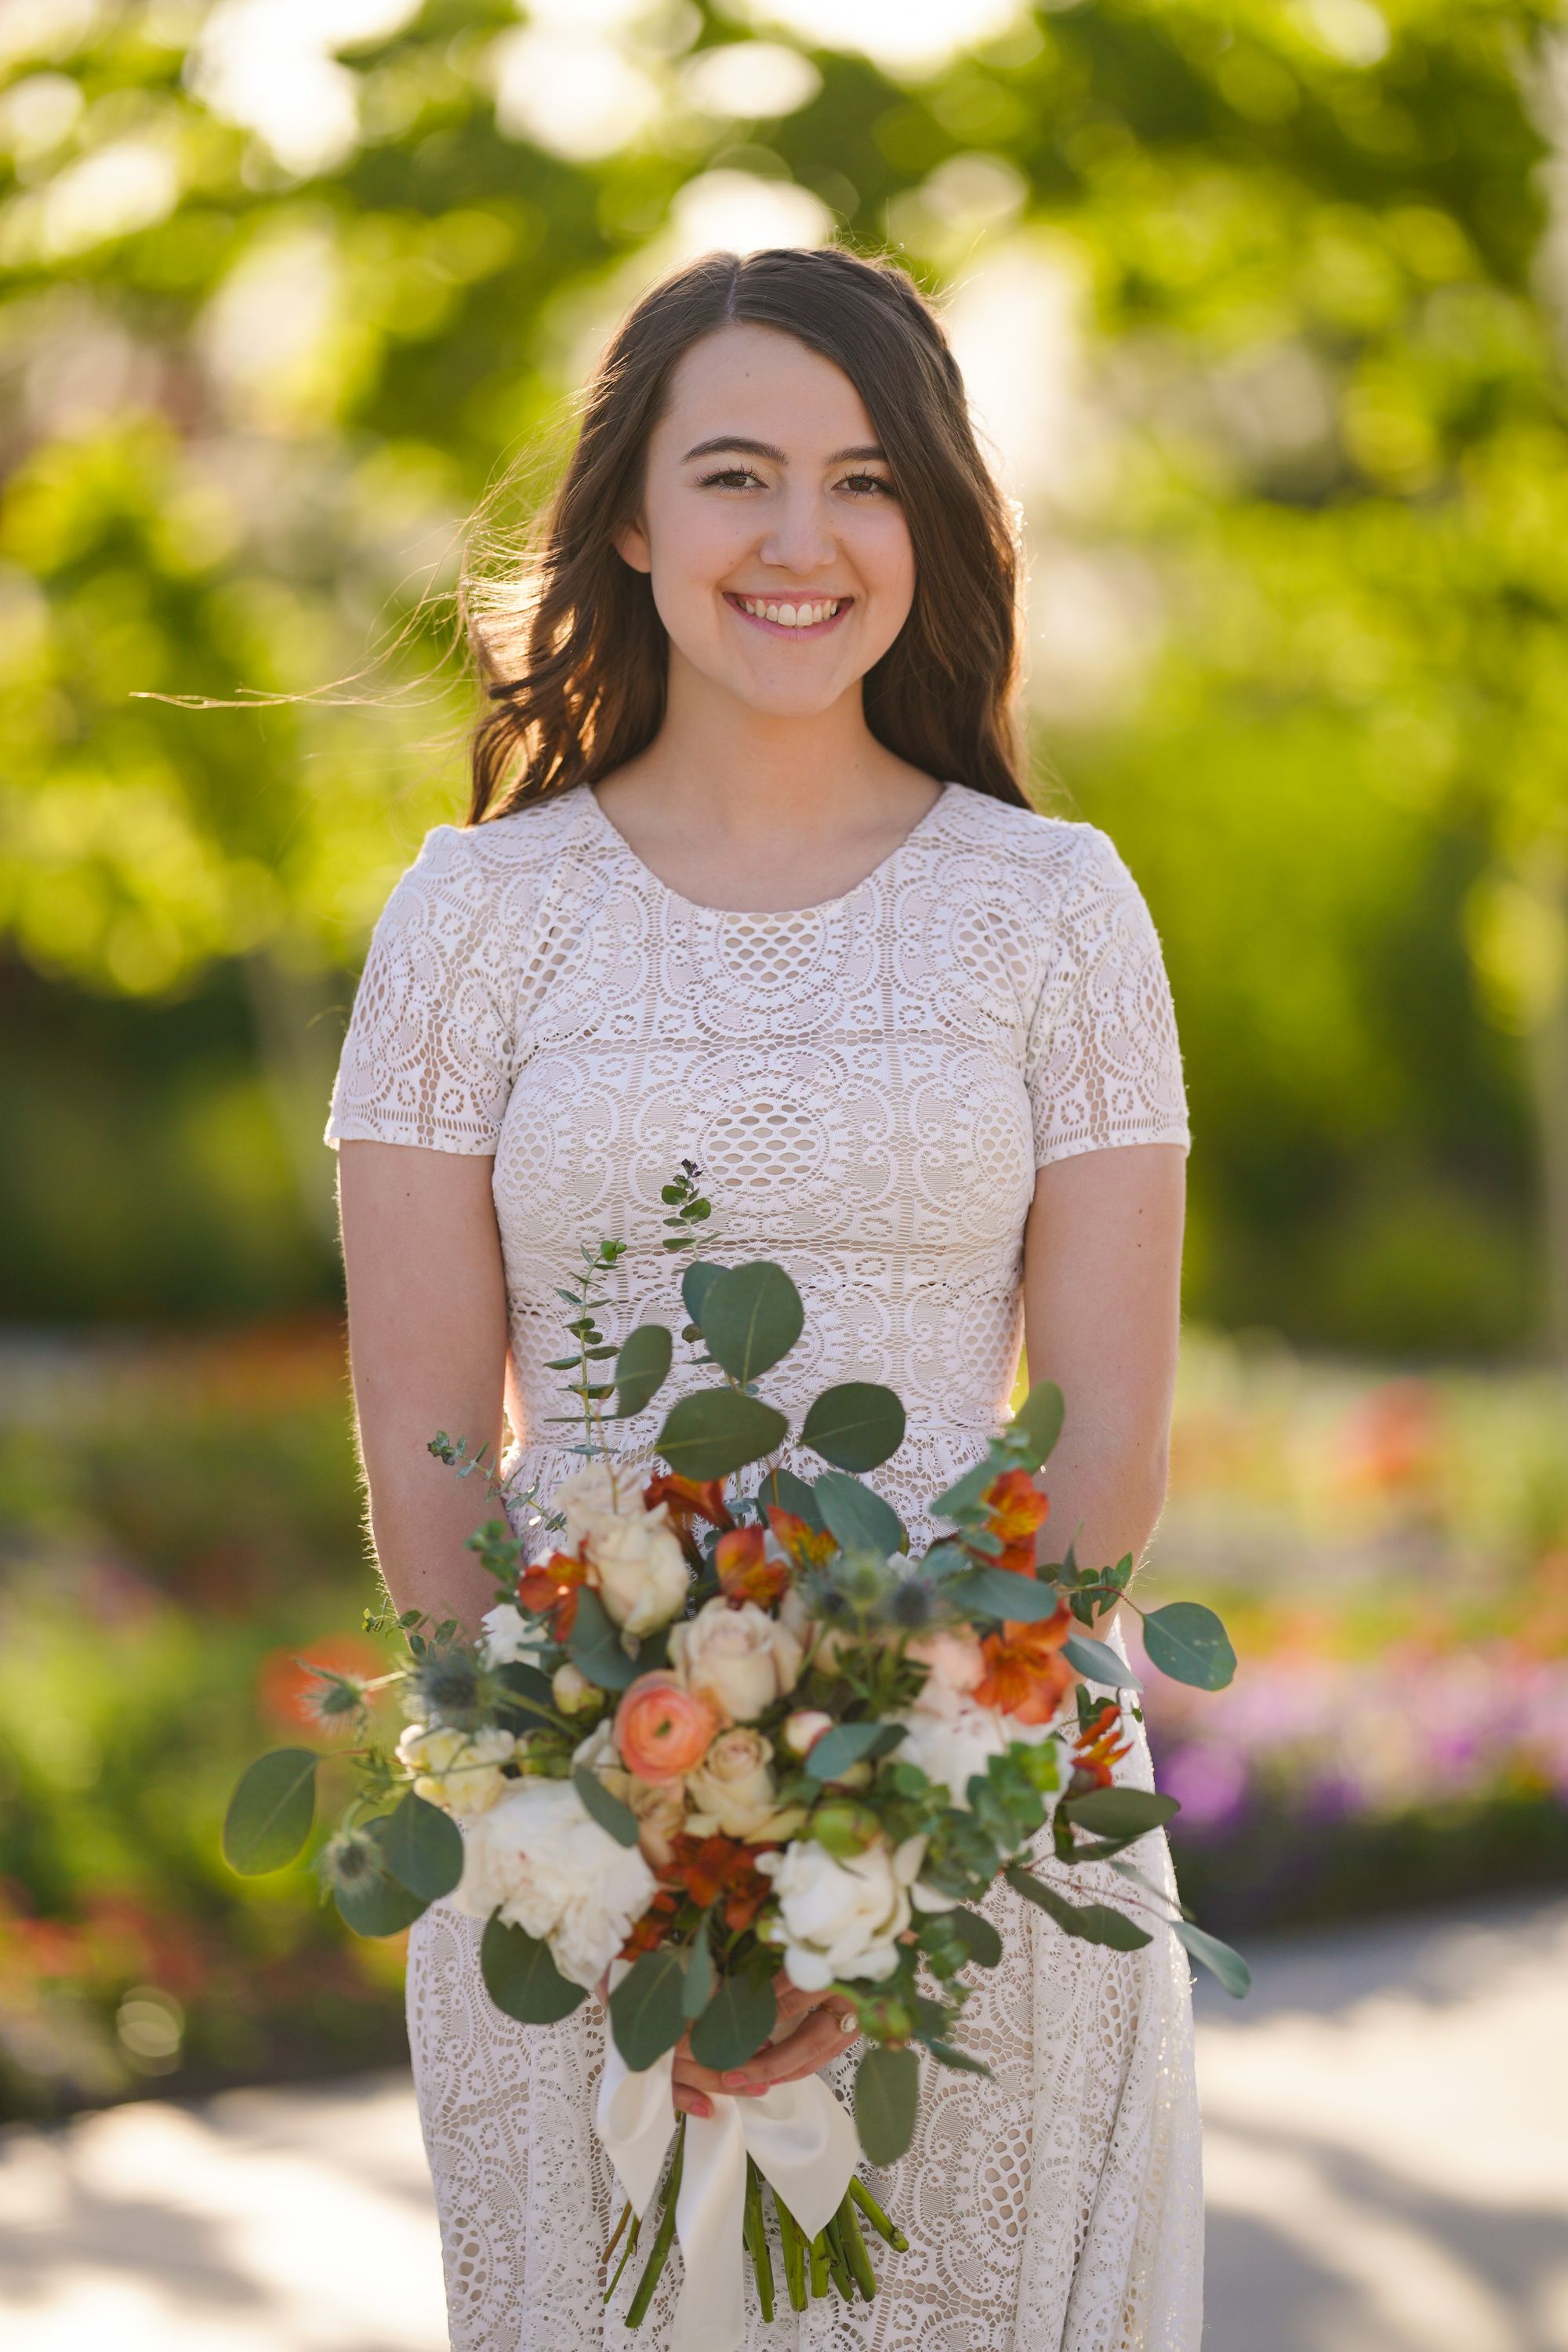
955,1658
662,1729
740,1658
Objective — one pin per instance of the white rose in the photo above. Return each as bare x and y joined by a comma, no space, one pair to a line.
640,1567
951,1741
841,1917
509,1638
458,1771
594,1493
733,1792
541,1859
742,1658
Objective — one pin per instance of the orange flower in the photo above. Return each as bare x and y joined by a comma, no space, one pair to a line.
662,1729
1016,1508
549,1587
290,1695
1025,1674
807,1547
1095,1750
705,1868
745,1572
689,1500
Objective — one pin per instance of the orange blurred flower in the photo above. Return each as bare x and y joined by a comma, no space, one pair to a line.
1017,1509
662,1729
288,1692
1026,1675
551,1587
806,1547
689,1500
707,1868
1095,1750
745,1571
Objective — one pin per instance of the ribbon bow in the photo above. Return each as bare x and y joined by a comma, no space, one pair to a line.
805,2146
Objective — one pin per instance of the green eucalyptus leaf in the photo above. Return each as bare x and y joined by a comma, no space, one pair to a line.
858,1520
946,2054
736,2022
1040,1420
1188,1642
701,1978
999,1592
271,1812
716,1431
790,1492
642,1367
378,1904
984,1943
522,1978
607,1808
1219,1959
752,1315
855,1425
423,1848
645,2013
1091,1923
593,1645
846,1743
1118,1813
965,1492
1096,1661
696,1283
886,2087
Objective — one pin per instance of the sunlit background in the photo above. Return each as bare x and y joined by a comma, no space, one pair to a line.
1263,305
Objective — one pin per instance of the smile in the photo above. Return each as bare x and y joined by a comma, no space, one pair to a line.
755,610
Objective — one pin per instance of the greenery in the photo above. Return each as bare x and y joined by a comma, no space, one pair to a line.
1262,303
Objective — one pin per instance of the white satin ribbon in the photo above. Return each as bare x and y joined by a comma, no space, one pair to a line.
805,2146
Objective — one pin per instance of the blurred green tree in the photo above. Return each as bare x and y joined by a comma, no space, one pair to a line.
1284,282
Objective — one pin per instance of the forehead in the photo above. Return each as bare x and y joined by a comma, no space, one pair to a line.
766,384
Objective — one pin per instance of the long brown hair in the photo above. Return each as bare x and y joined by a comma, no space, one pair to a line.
568,641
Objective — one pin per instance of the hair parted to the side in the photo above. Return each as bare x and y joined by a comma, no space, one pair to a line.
565,634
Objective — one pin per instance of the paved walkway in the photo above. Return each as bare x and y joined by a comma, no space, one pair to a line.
1386,2155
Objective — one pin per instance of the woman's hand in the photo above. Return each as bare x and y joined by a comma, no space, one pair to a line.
825,2026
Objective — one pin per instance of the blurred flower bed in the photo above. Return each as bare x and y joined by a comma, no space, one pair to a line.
1391,1556
179,1521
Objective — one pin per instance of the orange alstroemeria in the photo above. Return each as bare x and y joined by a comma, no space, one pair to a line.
707,1868
690,1499
1015,1510
1096,1751
1026,1675
551,1587
806,1547
745,1571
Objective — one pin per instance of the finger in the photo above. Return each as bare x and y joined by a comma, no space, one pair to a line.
688,2102
811,2045
696,2077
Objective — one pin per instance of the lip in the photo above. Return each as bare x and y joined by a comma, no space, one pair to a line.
779,628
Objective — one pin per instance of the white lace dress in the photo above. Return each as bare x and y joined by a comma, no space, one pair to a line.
868,1086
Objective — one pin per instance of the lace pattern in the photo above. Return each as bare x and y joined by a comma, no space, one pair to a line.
868,1086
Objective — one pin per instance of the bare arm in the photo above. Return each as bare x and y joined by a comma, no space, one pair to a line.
1102,1261
427,1345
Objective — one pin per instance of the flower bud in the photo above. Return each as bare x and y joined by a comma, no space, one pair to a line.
572,1692
803,1729
844,1829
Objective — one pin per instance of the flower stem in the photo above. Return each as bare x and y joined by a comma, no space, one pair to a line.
876,2218
792,2239
854,2246
819,2263
627,2252
638,2311
757,2239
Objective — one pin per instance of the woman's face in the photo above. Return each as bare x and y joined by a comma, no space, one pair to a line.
764,487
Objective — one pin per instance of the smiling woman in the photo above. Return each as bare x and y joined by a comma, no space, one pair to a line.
751,882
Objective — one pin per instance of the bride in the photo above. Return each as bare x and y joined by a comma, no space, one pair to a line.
750,878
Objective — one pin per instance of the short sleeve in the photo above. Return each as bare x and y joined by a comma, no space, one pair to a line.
1102,1064
429,1053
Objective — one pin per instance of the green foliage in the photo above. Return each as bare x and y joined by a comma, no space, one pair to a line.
887,2089
734,2024
856,1518
1186,1641
522,1978
646,2015
642,1366
715,1430
855,1425
608,1810
752,1315
1099,1662
423,1848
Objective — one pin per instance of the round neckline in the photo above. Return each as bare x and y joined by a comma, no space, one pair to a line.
768,914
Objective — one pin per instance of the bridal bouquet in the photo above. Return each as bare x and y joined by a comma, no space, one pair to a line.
729,1725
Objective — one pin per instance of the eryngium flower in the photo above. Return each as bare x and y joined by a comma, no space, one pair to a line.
912,1604
444,1688
351,1859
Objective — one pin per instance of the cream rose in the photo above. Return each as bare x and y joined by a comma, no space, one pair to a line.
659,1805
459,1770
733,1792
540,1860
740,1658
841,1917
638,1566
591,1494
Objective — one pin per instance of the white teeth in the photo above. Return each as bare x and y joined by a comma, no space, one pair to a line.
792,616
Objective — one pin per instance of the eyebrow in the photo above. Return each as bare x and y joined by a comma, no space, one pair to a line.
767,450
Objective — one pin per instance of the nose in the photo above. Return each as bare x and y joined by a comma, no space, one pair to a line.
798,539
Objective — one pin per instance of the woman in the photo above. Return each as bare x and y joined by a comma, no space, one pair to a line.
749,879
